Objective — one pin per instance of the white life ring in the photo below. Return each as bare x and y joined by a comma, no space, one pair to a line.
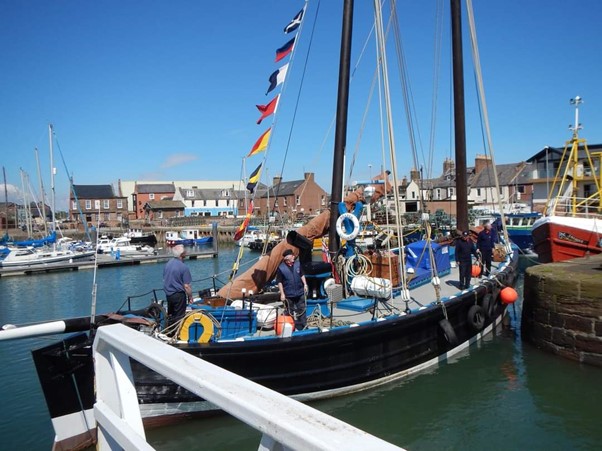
341,228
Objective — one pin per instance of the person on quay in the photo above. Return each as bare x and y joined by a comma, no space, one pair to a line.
293,288
177,284
485,245
465,249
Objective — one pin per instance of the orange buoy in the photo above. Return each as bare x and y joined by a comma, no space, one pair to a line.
476,270
508,295
281,321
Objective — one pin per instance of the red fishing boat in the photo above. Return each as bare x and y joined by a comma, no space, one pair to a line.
571,226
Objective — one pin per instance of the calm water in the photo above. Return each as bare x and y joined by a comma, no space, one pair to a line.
501,395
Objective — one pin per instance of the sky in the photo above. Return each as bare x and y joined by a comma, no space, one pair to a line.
157,90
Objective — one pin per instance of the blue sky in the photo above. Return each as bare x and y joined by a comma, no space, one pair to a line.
167,90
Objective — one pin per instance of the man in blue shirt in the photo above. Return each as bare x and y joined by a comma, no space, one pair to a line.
177,284
293,288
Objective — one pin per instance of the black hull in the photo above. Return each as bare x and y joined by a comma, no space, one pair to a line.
151,240
315,365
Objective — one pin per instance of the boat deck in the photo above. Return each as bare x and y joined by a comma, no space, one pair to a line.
356,309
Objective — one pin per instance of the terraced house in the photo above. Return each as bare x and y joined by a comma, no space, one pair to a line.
209,202
98,204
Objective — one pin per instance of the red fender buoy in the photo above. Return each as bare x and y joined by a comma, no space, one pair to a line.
281,321
475,270
508,295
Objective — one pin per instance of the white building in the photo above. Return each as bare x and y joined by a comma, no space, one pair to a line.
126,187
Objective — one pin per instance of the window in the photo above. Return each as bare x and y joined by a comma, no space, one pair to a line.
521,189
227,202
413,195
105,204
479,192
298,200
160,214
119,203
151,196
205,203
88,204
323,200
189,193
73,205
192,204
107,216
284,202
501,190
97,204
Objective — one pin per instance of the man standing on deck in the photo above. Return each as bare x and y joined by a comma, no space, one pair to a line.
464,251
485,245
177,284
293,288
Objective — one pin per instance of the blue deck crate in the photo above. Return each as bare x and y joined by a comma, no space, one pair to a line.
234,322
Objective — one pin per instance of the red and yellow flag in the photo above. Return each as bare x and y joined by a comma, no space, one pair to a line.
243,227
262,143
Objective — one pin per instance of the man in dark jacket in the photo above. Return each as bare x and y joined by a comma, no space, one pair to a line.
464,252
293,288
485,245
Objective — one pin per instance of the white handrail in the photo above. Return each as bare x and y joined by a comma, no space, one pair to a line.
284,422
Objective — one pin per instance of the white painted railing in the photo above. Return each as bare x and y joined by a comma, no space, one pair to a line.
286,424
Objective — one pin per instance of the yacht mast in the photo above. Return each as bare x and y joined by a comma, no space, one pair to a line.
42,196
459,117
340,137
6,200
52,173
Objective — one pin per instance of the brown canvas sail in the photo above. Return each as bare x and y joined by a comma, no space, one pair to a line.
256,277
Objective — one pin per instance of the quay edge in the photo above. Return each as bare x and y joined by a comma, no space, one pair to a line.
562,308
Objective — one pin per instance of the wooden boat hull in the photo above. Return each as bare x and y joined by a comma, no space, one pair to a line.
306,366
559,238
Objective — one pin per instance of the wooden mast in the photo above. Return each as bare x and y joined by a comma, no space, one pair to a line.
340,137
459,117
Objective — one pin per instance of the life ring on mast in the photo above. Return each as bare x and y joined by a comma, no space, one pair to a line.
342,232
193,321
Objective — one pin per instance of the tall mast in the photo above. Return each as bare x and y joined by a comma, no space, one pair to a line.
42,196
459,117
52,172
6,199
340,137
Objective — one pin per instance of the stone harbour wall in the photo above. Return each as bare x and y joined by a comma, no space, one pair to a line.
562,308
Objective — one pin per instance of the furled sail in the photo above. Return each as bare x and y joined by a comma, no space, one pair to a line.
262,272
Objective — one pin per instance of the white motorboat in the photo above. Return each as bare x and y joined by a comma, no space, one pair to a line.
25,256
122,247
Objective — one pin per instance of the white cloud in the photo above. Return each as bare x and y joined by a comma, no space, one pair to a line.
14,193
177,159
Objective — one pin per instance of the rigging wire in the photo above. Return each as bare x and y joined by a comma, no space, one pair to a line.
295,110
481,90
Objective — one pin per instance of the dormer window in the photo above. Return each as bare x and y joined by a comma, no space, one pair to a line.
189,193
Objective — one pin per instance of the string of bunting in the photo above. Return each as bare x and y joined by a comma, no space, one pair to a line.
276,79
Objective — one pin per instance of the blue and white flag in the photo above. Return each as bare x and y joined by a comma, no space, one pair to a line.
294,24
277,78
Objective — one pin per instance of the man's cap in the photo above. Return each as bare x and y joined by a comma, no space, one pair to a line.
287,252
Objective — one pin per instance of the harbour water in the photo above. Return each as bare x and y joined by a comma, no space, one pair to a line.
503,394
